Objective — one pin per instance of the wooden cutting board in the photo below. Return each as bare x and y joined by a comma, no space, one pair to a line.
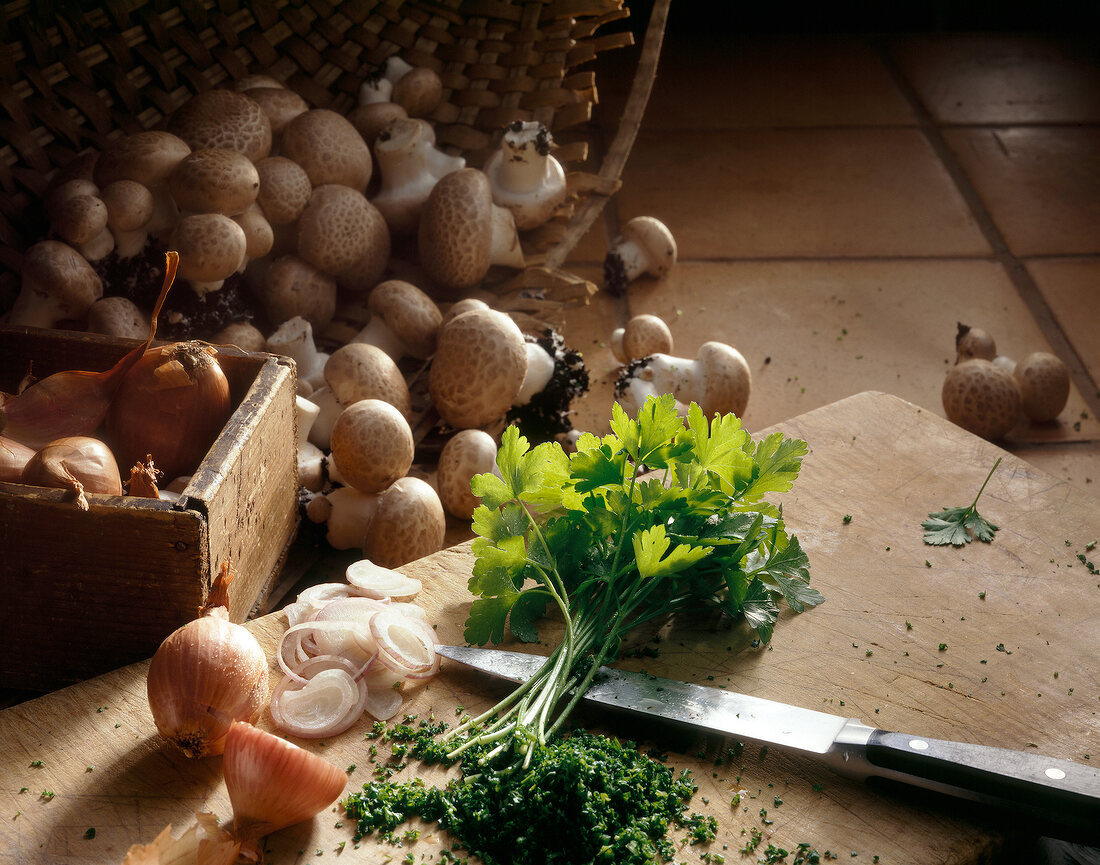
992,643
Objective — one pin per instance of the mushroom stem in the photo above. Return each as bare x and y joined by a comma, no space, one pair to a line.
525,177
320,433
646,246
505,249
311,459
719,380
294,339
540,369
411,165
378,334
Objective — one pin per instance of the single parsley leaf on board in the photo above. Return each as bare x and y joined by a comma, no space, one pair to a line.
958,526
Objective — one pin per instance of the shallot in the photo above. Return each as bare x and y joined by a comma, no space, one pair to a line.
81,464
206,675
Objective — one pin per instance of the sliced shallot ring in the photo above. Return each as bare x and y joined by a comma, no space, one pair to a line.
402,646
319,595
374,581
297,638
383,703
334,703
410,609
312,666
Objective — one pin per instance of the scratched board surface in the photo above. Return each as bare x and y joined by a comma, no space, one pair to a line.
988,643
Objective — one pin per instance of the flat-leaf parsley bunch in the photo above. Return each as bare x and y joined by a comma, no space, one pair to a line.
659,517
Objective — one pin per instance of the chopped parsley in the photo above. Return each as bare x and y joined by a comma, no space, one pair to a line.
958,526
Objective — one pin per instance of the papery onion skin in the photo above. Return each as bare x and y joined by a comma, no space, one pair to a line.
206,675
172,404
273,783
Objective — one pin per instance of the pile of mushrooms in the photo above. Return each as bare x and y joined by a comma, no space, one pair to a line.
988,394
294,211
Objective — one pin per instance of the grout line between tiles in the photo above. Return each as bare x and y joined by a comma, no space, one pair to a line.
1013,266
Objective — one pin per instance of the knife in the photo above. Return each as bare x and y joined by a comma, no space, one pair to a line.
1062,795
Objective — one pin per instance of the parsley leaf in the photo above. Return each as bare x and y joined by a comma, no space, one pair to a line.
958,526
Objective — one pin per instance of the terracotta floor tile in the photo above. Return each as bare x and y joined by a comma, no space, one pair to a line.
1040,185
1071,287
799,193
1002,78
1078,463
816,332
759,80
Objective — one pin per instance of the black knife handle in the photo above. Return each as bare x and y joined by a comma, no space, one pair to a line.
1058,792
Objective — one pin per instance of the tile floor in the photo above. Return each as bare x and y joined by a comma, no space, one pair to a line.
841,201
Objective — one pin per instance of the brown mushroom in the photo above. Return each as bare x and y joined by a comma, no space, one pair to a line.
718,380
372,445
58,284
1044,385
293,287
370,119
130,206
280,104
645,246
478,368
982,398
284,189
81,220
118,316
467,453
419,91
404,320
329,148
462,233
410,165
224,119
339,228
359,371
258,233
409,524
643,335
211,247
214,180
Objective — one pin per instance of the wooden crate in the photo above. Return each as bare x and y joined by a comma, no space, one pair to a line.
87,592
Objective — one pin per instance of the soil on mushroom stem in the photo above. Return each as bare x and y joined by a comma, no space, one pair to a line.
185,315
547,414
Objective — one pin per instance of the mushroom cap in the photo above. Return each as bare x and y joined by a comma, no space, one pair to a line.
57,195
409,523
118,316
359,371
56,270
293,287
646,334
419,91
280,104
211,246
147,157
254,80
409,313
478,369
223,119
242,334
259,236
372,118
339,227
79,218
973,342
129,204
214,180
328,147
284,189
1044,385
654,236
467,453
372,445
982,398
726,379
456,229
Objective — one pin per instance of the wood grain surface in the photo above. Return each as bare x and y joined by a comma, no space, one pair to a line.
991,643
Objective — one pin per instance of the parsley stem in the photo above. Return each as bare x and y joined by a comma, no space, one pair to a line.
974,503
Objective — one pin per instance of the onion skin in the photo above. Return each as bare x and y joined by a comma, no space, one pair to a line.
206,675
171,404
79,463
14,456
273,783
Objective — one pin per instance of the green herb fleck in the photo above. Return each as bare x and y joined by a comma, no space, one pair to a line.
89,833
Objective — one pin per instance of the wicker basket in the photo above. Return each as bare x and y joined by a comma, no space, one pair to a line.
74,79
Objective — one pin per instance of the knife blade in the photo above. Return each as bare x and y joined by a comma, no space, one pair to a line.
1061,795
